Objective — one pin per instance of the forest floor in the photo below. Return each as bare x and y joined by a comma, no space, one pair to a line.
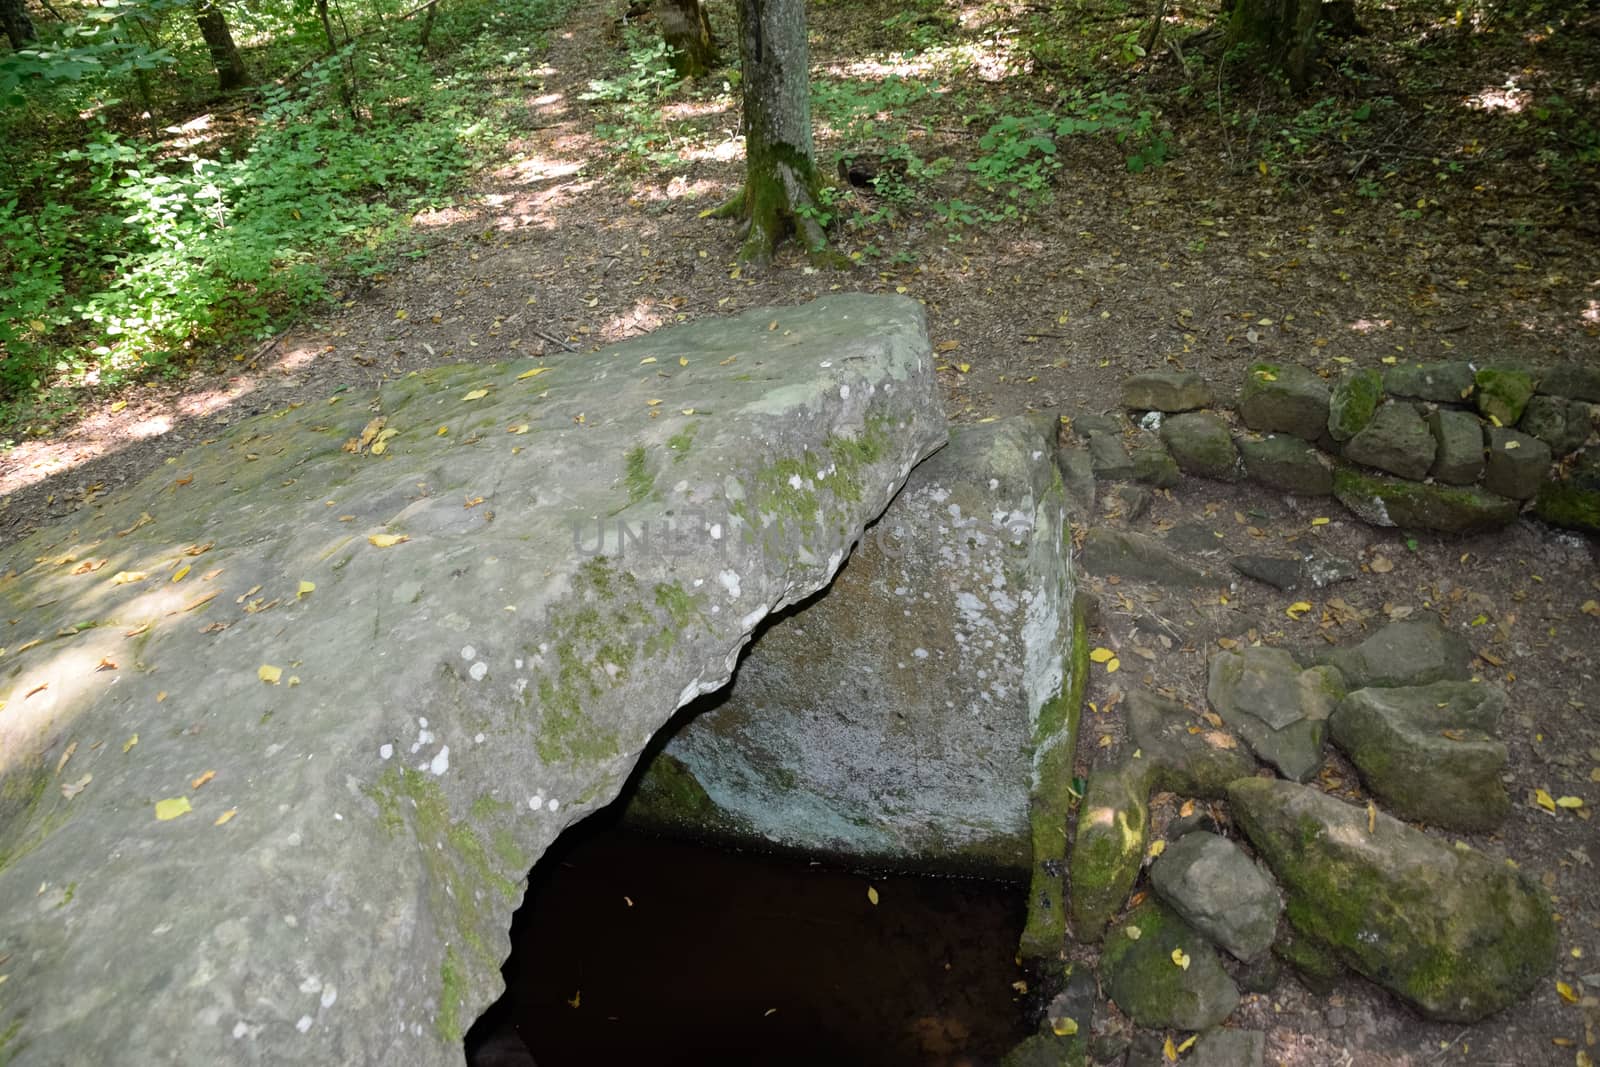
1437,196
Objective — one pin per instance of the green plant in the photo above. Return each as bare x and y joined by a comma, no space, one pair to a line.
634,95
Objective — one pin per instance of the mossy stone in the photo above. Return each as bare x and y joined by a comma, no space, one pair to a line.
1284,398
1445,382
1154,465
1385,501
1287,463
1458,457
1396,440
1516,464
1354,400
1143,978
1109,847
1574,501
1199,764
1502,393
1201,444
1169,391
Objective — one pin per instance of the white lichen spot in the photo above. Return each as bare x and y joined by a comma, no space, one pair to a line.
698,582
825,364
441,762
468,652
337,817
730,582
477,671
795,482
844,392
291,922
517,663
716,531
329,995
385,751
920,653
240,1029
749,621
535,802
304,1024
681,487
421,722
294,839
477,739
312,984
553,804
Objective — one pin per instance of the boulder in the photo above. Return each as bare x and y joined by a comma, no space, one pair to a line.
1406,653
322,718
1455,934
1154,465
1163,974
1280,710
1109,458
1574,381
1109,846
1450,382
1517,464
1458,455
1132,555
1291,572
1218,890
1201,444
1562,424
1166,390
1417,506
1126,502
1429,752
1573,500
1287,464
1200,763
1502,393
893,720
1396,440
1229,1048
1283,398
1353,402
1077,476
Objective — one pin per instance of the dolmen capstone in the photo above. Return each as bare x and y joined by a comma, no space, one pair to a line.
284,726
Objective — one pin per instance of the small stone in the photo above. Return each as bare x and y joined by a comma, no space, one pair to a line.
1337,1017
1077,475
1574,501
1129,502
1458,459
1502,393
1170,391
1450,382
1575,381
1195,764
1201,444
1280,710
1109,458
1141,978
1517,464
1196,537
1287,464
1154,465
1411,652
1353,402
1396,440
1088,424
1132,555
1283,398
1280,572
1558,422
1428,752
1416,506
1219,891
1109,847
1229,1048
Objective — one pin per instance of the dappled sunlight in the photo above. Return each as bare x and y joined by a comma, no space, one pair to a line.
1371,325
642,319
722,152
684,110
991,61
681,188
1508,98
191,134
1590,315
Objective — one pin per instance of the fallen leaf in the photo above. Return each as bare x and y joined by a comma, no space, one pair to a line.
1320,521
1297,609
1133,932
1591,607
947,346
518,428
1181,958
72,789
683,361
172,807
269,674
128,577
476,394
1381,565
1101,655
1063,1027
1569,802
1169,1051
1372,817
208,598
387,540
202,780
872,896
1157,847
1188,1043
180,574
305,588
1544,800
535,372
225,816
1566,993
66,755
963,367
106,664
129,743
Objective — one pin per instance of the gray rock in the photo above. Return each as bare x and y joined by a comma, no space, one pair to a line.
1133,555
1229,1048
1354,400
1502,393
1517,464
891,721
1575,381
1562,424
1449,382
1220,892
389,805
1574,500
1154,465
1452,932
1396,441
1280,572
1384,501
1087,424
1170,391
1287,464
1429,752
1410,652
1127,502
1109,458
1261,975
1109,846
1201,444
1196,537
1077,475
1280,710
1196,764
1458,435
1141,978
1283,398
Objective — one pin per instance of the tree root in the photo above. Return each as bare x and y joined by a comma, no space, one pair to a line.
791,206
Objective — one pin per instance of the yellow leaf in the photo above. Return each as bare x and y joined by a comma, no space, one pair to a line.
269,674
1157,847
519,428
1261,165
441,431
1181,958
1133,932
387,540
963,367
128,577
687,411
1390,360
683,361
181,574
172,807
535,372
400,314
476,394
1169,1051
1513,444
1591,607
1266,376
130,742
305,588
1496,420
225,816
1112,665
872,896
1063,1027
1189,1043
1566,993
1101,655
1320,521
652,403
1569,802
1372,817
947,346
202,780
1544,800
1297,609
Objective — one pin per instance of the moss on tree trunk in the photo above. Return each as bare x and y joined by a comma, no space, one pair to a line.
687,31
1283,33
781,194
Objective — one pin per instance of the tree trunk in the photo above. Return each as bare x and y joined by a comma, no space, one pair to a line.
687,31
224,53
780,194
1284,32
19,27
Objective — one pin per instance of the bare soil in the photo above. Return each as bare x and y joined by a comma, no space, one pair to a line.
1448,230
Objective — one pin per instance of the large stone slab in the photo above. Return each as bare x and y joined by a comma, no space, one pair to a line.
371,765
1456,934
898,718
